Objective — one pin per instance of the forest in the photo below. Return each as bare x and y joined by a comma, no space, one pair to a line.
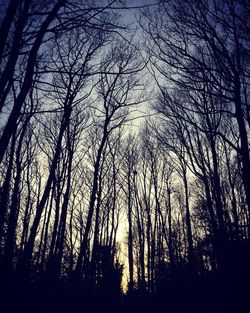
124,156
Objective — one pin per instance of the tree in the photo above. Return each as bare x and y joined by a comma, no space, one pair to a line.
115,88
205,42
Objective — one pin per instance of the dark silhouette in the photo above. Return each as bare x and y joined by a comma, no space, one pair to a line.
99,213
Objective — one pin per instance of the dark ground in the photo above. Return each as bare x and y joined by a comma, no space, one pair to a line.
210,294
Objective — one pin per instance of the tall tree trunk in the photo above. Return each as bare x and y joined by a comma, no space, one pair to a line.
130,234
244,148
222,233
15,203
64,211
27,253
6,79
96,240
5,192
84,242
6,24
191,258
170,236
28,79
46,233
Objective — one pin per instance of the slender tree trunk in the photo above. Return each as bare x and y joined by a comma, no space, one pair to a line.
222,233
236,231
244,148
84,242
7,75
15,203
27,254
5,192
191,258
170,237
6,24
26,212
213,224
64,211
96,240
141,237
27,82
45,239
130,234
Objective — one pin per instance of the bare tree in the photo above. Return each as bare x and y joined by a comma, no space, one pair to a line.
115,93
